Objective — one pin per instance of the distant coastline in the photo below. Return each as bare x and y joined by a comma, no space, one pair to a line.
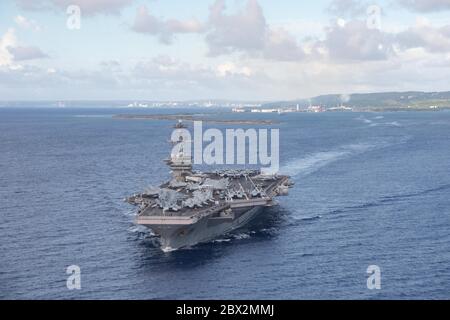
356,102
372,102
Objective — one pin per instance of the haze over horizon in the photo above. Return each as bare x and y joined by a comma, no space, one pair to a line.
216,49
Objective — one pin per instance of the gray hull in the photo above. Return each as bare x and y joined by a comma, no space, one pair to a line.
195,207
206,229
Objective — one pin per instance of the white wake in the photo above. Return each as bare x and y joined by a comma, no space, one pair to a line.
314,161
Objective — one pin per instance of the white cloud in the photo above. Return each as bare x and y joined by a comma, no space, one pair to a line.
165,77
7,40
247,31
282,46
88,7
244,30
229,68
25,23
424,35
11,51
425,5
144,22
21,53
250,57
354,41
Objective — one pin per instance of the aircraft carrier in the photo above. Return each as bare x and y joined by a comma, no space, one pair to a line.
195,207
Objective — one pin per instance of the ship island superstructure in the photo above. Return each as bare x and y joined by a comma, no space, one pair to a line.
195,207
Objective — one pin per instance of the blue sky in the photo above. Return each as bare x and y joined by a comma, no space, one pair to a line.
218,49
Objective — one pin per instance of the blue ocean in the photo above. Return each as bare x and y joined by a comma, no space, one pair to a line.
371,189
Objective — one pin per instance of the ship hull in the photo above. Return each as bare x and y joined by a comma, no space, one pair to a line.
174,237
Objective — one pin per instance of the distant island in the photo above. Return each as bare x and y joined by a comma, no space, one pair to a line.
190,118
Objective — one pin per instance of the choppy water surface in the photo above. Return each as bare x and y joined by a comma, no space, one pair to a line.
371,189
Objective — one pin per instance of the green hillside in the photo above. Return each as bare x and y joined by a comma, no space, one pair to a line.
369,101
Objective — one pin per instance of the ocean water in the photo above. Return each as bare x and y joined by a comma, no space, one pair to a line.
371,189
